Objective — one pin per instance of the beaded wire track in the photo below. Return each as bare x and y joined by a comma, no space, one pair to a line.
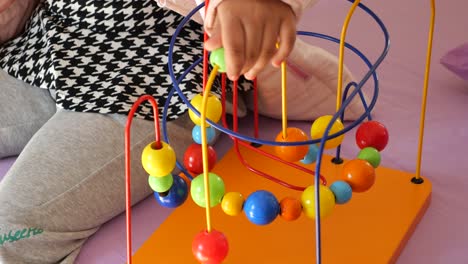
372,227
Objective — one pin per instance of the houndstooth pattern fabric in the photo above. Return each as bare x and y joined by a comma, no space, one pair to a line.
101,55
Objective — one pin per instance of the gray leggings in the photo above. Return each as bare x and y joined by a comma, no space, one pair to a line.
69,177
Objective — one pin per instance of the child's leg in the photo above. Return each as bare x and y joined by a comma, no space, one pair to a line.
69,180
23,110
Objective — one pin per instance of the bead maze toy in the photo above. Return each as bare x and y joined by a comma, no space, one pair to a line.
349,210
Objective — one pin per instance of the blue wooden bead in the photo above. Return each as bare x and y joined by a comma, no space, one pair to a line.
261,207
342,191
197,136
176,195
311,155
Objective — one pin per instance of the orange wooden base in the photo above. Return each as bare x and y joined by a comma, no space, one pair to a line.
371,229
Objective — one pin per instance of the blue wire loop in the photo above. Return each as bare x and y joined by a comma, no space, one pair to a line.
166,108
346,100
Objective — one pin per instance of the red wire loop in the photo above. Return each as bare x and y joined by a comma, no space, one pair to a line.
128,195
261,152
255,91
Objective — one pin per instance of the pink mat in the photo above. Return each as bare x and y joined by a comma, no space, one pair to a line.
5,165
440,237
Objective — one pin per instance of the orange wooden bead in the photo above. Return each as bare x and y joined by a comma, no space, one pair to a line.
291,209
292,153
359,174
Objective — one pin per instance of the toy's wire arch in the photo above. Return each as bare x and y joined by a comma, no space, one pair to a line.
345,101
337,115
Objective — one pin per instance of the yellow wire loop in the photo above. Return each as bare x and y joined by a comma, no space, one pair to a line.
284,99
284,106
425,88
206,180
340,59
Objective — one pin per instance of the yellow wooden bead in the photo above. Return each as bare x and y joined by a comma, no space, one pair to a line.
320,125
327,201
158,162
232,203
214,109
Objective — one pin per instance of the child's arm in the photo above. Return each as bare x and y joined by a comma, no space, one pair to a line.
185,6
297,6
13,16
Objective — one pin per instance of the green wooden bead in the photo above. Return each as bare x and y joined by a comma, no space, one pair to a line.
217,58
371,155
161,184
217,189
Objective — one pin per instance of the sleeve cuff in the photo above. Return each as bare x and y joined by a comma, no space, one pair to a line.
297,6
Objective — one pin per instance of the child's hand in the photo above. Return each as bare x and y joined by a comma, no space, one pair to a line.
249,30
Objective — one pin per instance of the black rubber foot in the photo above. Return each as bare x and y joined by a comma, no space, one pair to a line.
417,180
255,145
337,160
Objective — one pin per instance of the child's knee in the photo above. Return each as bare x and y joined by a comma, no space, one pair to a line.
16,233
17,238
25,240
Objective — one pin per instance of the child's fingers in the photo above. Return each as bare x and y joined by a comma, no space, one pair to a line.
214,42
233,42
267,50
254,31
287,37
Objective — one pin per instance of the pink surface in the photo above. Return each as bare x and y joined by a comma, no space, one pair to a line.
5,165
456,60
440,237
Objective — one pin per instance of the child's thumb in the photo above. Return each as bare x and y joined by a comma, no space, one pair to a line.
214,42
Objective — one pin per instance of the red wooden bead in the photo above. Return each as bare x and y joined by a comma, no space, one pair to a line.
193,159
372,134
210,247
